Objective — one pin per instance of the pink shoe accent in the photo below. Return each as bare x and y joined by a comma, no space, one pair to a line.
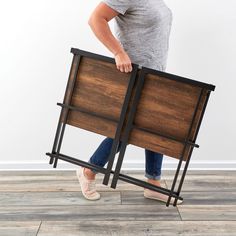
88,187
159,196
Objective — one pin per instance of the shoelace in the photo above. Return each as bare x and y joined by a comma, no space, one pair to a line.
91,187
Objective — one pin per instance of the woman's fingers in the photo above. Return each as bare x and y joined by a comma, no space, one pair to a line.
129,67
125,67
123,62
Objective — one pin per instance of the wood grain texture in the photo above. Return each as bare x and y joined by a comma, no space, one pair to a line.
19,228
190,198
44,205
56,198
53,181
100,88
207,182
90,212
142,228
166,106
208,212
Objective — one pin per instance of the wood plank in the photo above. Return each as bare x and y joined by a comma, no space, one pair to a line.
91,212
55,198
150,228
167,107
190,198
59,173
19,228
47,185
209,198
108,87
32,181
54,174
45,175
208,212
208,183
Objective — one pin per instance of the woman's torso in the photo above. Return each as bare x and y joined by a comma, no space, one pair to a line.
144,32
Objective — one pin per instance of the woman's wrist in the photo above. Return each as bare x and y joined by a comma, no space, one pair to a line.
118,52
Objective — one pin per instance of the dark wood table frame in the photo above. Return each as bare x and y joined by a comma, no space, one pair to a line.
142,97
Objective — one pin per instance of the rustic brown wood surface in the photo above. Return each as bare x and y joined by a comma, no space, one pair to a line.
100,88
166,106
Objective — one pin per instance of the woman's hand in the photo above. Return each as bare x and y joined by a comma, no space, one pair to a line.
123,62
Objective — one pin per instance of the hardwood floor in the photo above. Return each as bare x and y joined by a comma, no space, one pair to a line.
47,203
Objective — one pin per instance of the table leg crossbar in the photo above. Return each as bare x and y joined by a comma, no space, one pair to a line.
122,177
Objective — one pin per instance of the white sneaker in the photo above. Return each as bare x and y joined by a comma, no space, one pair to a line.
88,187
159,196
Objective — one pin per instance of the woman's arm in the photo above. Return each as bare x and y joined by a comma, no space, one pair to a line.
98,22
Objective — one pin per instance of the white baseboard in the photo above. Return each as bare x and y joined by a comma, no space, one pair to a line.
127,165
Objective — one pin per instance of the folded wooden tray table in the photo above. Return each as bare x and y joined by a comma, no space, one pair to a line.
151,109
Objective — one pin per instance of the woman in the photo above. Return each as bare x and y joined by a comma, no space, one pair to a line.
142,29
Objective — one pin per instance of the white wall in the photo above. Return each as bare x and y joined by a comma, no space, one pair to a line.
35,42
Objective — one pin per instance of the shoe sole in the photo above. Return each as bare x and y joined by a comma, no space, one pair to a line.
159,199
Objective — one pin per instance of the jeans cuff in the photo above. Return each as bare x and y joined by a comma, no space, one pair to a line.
94,171
155,177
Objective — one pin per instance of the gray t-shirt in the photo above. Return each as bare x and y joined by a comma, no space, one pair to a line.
143,29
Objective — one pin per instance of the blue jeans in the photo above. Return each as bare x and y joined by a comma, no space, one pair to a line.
153,159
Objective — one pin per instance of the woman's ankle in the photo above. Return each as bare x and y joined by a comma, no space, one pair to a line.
89,174
154,182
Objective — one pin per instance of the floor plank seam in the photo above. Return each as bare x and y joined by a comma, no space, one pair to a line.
117,220
219,220
121,201
39,228
179,213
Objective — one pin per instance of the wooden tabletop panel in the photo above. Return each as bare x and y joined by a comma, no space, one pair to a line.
100,90
166,106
